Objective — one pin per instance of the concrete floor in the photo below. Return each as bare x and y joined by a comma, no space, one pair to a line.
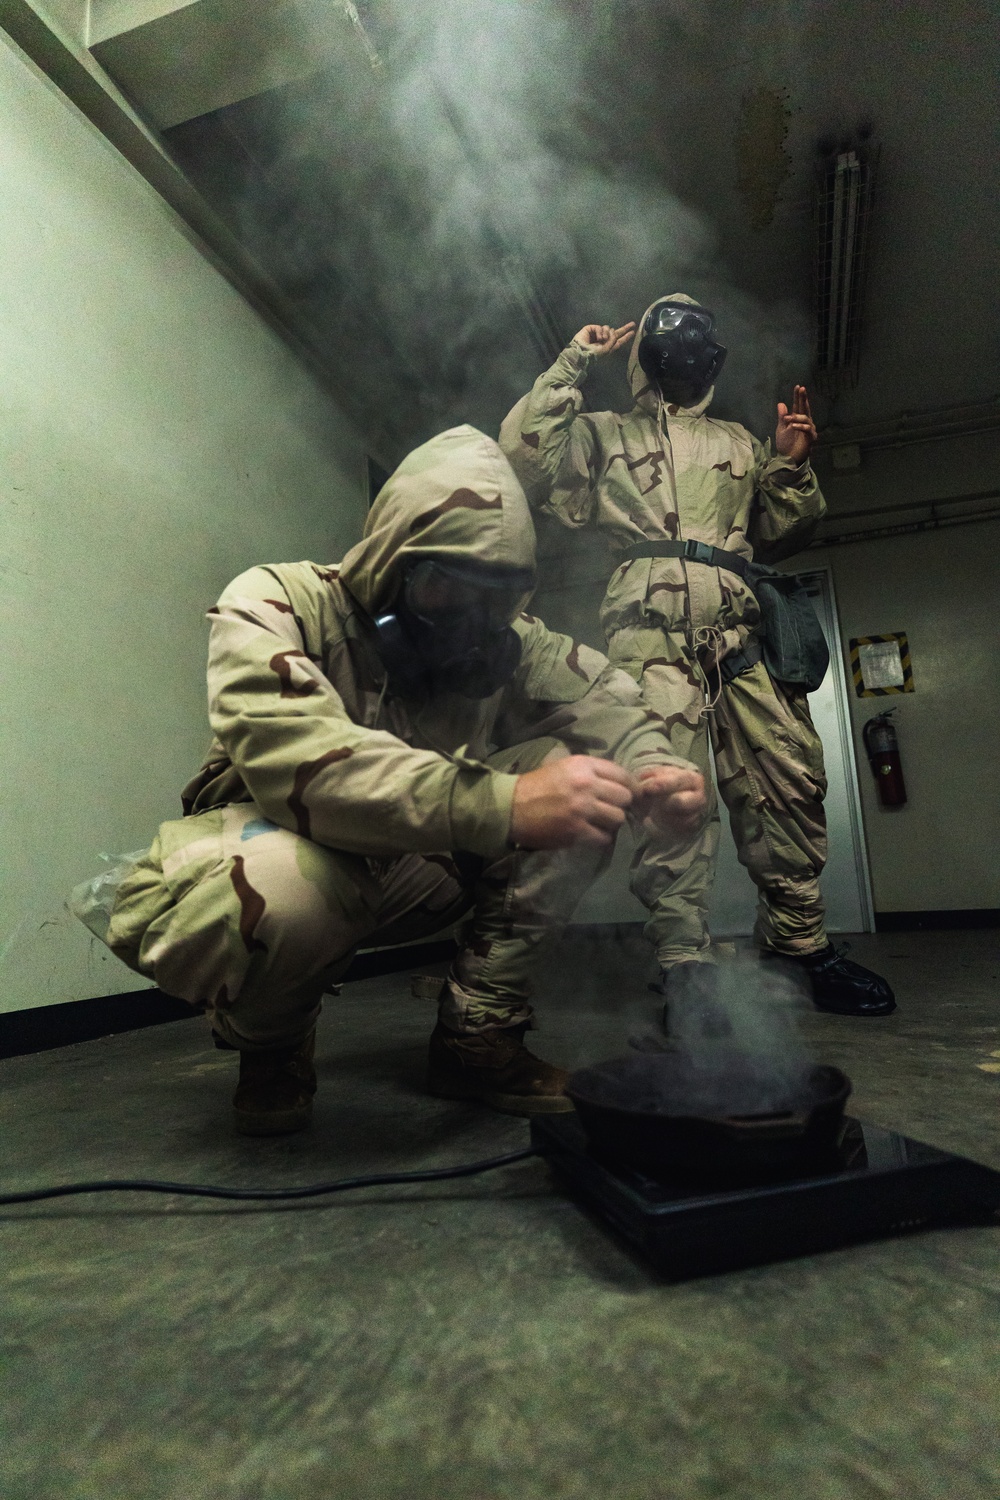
479,1339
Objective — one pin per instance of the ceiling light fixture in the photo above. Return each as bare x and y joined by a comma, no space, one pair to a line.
843,214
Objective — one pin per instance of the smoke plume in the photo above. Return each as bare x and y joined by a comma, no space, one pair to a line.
450,213
740,1054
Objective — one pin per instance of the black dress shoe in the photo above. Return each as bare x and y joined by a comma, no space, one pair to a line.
841,986
692,999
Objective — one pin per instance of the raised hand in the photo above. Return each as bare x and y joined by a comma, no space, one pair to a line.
577,800
599,338
796,431
671,799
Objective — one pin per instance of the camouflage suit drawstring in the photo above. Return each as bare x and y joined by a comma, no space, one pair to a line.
710,636
705,635
381,700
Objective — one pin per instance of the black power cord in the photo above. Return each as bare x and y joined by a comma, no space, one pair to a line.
270,1195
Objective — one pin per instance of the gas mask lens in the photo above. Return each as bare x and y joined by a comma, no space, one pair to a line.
671,315
450,594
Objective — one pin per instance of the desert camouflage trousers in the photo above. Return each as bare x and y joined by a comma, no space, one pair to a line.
769,768
254,924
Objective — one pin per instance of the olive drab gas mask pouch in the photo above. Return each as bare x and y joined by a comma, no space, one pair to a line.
794,646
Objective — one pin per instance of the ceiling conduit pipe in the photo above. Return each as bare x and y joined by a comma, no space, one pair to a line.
934,521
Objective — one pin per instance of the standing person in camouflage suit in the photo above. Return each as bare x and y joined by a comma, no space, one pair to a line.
687,627
396,743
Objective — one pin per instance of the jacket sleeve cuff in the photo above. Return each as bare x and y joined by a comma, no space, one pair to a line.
791,476
481,805
573,364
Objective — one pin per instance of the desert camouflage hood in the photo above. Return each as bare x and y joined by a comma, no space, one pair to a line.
456,496
308,726
646,395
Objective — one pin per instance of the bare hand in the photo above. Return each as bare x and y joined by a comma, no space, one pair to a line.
599,338
671,799
578,800
796,430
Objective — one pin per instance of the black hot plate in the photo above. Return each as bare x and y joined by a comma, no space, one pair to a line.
881,1184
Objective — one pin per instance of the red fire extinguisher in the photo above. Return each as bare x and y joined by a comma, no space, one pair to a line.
883,753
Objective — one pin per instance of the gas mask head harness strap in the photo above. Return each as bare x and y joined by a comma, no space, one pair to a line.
449,628
678,351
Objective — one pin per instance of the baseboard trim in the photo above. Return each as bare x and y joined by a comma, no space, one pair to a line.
394,960
617,930
46,1027
50,1026
954,920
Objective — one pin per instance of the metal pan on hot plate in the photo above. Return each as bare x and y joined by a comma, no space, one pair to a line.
718,1148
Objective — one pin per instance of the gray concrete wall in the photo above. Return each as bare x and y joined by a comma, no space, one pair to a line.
940,587
157,438
939,851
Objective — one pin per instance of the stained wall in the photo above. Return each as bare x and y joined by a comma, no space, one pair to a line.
156,439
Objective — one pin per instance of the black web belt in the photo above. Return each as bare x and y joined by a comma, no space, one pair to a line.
692,551
737,662
789,637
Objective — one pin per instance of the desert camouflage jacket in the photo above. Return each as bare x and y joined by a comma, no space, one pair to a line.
660,471
306,726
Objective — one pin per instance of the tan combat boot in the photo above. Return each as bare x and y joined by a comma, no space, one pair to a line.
275,1092
495,1067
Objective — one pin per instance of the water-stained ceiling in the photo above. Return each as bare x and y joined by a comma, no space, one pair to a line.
447,193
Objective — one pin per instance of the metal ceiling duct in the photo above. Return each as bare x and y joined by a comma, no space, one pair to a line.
843,215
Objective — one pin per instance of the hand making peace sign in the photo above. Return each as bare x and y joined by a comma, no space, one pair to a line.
796,430
602,339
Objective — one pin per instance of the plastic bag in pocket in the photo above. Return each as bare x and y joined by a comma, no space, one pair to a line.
93,900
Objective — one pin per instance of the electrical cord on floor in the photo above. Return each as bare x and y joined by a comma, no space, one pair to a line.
270,1195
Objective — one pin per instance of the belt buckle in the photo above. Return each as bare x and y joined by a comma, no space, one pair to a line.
698,551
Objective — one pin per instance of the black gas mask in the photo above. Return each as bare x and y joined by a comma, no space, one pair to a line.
449,628
678,351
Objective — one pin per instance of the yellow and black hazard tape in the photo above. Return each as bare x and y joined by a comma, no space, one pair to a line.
904,655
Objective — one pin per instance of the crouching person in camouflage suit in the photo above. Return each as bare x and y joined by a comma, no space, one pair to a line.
397,744
685,502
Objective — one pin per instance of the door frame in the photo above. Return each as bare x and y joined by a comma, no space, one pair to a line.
830,620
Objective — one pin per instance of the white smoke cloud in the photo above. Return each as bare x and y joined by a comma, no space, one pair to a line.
741,1054
474,201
